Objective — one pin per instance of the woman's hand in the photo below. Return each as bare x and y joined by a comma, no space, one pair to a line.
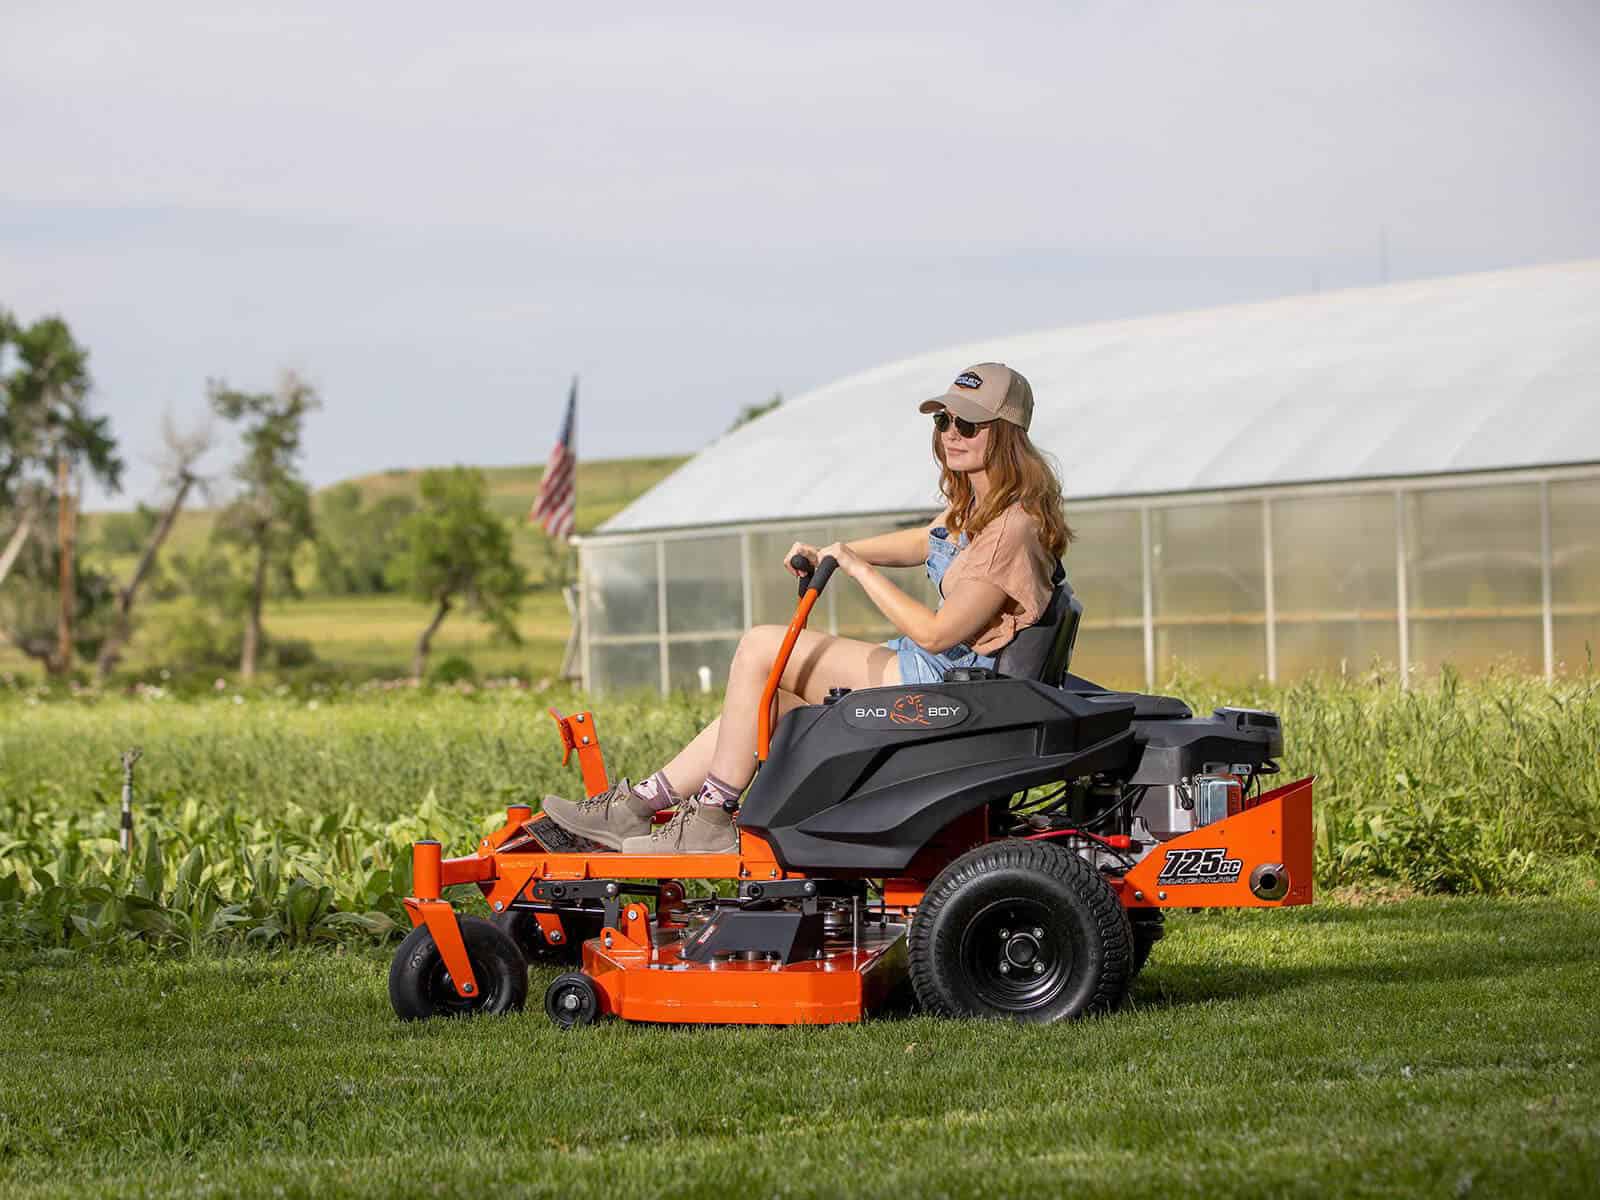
849,561
805,551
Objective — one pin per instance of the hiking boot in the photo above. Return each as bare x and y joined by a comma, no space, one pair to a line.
609,818
694,829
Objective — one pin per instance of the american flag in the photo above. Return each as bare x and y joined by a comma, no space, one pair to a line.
558,490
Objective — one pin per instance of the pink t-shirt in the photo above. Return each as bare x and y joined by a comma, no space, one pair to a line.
1008,555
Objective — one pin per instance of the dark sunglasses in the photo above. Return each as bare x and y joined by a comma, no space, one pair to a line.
966,428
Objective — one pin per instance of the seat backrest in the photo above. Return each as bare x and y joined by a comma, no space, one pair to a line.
1043,651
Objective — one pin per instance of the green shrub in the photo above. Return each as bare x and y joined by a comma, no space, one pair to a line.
454,669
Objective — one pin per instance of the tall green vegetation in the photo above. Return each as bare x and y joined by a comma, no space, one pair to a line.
271,515
459,553
292,809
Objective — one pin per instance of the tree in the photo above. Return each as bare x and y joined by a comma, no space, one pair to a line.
458,551
751,411
357,541
183,452
47,436
271,515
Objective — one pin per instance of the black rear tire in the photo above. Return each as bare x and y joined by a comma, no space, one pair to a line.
1020,930
572,1000
420,986
577,927
1149,927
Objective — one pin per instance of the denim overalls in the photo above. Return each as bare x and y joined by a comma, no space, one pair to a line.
923,666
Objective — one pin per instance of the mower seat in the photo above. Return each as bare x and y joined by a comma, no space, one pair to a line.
1043,650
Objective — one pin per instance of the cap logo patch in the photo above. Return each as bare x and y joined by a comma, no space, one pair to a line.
968,379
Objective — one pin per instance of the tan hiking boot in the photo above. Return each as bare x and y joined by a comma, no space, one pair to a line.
695,829
609,818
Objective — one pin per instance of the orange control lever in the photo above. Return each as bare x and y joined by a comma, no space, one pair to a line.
578,733
811,587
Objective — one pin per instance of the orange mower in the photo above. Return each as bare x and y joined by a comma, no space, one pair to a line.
1001,844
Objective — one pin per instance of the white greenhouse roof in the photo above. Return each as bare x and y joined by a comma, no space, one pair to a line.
1469,373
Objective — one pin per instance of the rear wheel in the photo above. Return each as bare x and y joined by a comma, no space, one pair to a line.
1022,930
420,985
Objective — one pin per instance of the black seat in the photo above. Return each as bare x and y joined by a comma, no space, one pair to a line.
1043,650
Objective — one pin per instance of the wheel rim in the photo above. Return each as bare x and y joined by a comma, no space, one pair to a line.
442,992
570,1004
1017,954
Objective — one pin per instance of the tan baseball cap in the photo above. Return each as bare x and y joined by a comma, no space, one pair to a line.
987,392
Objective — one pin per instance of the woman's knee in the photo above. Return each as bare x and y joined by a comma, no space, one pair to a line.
758,648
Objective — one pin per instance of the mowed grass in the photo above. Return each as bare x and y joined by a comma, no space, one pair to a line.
1431,1047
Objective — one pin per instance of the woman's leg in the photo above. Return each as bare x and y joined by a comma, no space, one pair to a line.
688,770
818,662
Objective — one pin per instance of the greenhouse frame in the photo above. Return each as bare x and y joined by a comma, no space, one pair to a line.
1402,477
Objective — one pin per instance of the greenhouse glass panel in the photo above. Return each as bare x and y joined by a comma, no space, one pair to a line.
773,589
624,666
705,587
1105,565
1473,577
620,588
1209,589
1334,583
1575,572
686,656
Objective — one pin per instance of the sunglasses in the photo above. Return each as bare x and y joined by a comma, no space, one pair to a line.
967,429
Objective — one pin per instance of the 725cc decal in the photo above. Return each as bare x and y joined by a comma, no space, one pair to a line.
1208,865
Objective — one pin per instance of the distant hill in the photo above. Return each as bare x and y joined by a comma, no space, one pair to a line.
605,487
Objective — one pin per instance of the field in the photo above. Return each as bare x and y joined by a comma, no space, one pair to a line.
374,635
208,1015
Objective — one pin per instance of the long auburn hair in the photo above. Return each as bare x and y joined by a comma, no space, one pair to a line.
1019,473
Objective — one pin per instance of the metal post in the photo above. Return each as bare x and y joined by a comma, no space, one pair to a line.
129,757
1545,582
661,607
1146,562
748,581
587,681
1402,596
1270,590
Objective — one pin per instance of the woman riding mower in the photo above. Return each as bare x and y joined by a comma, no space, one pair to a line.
991,554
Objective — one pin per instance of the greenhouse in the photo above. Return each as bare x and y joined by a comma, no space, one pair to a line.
1406,475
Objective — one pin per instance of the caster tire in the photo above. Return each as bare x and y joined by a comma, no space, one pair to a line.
420,986
1020,930
577,927
1149,927
572,1000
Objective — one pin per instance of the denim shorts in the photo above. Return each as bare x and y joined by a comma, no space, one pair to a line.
924,666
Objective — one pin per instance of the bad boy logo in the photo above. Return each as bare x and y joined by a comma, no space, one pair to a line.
909,710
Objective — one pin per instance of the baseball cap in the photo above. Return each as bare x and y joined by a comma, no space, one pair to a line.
987,392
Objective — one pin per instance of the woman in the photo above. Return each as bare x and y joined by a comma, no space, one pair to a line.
991,553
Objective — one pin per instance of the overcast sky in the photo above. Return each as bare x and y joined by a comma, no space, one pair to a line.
440,214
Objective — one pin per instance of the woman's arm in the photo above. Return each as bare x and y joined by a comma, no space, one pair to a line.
964,613
897,548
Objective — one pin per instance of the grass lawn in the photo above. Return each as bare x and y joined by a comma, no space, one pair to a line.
1426,1047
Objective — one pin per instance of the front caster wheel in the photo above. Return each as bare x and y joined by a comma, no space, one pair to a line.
1021,930
572,1000
420,986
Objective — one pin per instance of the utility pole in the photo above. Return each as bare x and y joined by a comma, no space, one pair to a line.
65,530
